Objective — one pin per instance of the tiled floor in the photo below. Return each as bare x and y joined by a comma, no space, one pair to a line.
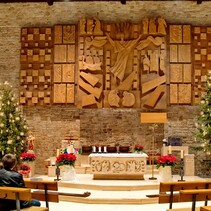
123,195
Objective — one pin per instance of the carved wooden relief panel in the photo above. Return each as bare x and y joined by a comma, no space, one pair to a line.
36,60
64,66
119,65
201,60
180,69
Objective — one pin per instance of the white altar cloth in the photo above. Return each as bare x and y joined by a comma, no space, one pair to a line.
116,155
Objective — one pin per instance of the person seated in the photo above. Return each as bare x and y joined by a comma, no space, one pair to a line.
11,178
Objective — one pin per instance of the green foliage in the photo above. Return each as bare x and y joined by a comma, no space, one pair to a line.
13,128
203,130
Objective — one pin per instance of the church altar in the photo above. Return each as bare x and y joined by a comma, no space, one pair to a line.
118,166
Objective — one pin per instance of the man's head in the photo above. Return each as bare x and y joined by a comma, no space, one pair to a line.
9,161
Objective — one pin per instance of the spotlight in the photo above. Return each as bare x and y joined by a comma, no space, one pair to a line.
50,2
123,1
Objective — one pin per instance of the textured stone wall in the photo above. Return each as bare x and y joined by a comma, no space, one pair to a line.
51,123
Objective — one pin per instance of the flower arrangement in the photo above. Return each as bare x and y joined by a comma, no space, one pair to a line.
66,159
27,156
24,169
166,160
138,148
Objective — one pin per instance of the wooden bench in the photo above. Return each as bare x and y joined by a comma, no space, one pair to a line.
170,191
18,194
205,208
43,190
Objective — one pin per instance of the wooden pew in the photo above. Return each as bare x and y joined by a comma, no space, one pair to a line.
195,195
43,190
18,194
170,191
205,208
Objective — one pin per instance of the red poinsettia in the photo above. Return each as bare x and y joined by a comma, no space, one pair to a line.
166,160
26,156
66,159
24,169
138,148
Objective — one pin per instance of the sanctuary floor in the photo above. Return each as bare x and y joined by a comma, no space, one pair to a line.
110,195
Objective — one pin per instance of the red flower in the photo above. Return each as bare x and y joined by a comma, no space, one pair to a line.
166,160
138,148
66,159
24,169
26,156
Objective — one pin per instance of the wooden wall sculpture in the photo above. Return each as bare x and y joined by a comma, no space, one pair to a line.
120,65
36,60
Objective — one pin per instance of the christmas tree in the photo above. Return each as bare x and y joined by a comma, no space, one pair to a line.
203,130
13,128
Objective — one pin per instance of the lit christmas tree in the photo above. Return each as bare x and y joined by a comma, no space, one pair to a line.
203,131
13,128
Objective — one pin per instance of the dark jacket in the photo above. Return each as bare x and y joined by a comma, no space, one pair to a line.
11,178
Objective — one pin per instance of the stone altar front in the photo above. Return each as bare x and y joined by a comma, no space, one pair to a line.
118,166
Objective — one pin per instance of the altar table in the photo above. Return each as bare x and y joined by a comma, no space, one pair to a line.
118,166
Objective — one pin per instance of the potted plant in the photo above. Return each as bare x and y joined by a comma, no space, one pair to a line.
28,159
67,163
138,148
164,164
24,170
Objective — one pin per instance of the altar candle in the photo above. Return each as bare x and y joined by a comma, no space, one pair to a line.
57,152
182,154
105,149
94,149
99,149
169,149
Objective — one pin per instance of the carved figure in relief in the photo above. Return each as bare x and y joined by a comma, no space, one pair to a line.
123,48
90,26
130,166
105,166
97,42
145,23
162,26
154,61
82,24
128,99
152,26
146,63
157,41
97,27
113,98
118,167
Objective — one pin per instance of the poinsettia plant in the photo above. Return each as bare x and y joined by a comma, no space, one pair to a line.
166,160
138,148
24,169
27,156
66,159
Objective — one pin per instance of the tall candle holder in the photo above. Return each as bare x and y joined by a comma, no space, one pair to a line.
57,173
181,170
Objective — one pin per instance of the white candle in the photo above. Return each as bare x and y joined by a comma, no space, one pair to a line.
99,149
105,149
57,152
93,149
182,154
169,149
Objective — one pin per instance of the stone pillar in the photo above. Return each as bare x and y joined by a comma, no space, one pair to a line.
189,165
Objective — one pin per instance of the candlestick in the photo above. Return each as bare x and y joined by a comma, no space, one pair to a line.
99,149
169,149
181,170
105,149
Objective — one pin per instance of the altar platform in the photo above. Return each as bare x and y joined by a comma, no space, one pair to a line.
113,194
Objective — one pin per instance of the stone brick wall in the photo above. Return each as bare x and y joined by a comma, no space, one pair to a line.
51,123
